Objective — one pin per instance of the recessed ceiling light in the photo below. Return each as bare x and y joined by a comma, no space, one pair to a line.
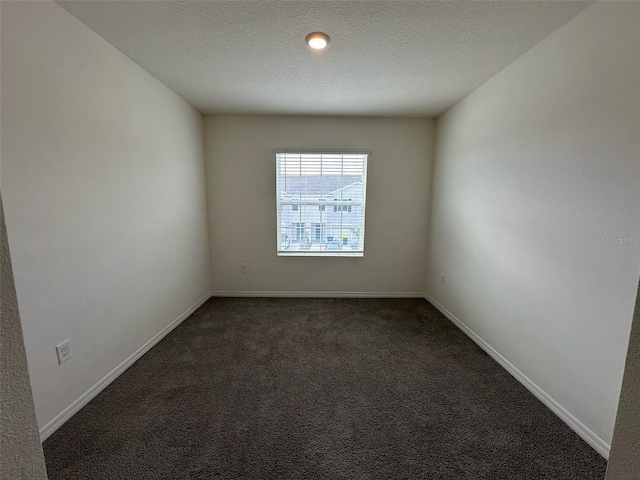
317,40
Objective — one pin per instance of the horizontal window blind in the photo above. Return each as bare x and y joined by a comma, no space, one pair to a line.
321,203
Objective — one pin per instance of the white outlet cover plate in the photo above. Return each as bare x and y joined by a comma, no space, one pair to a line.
63,351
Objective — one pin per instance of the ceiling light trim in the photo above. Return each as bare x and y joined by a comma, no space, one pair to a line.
317,40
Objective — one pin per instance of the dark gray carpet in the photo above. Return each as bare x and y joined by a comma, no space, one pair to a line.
317,389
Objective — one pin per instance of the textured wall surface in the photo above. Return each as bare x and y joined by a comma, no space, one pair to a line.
624,462
20,450
535,210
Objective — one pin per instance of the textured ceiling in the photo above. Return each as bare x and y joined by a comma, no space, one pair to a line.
386,58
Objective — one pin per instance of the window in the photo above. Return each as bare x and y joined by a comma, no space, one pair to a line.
309,182
298,231
318,232
342,208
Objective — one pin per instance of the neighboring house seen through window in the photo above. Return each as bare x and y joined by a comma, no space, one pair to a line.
309,182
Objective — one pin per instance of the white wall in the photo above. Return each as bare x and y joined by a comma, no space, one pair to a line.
532,171
103,182
242,204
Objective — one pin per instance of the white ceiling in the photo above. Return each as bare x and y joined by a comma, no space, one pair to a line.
386,58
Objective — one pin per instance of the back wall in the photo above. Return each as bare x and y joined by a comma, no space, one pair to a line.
241,183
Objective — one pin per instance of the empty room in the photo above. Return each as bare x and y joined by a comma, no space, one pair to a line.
320,239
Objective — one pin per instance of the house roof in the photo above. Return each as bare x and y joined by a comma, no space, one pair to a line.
312,185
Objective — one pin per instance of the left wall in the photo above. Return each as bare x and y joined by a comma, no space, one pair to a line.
104,190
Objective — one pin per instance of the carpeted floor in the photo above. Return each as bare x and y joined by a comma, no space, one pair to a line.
254,388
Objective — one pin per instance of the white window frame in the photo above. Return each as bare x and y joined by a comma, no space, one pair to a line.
346,206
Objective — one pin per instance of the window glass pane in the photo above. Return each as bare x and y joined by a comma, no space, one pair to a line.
307,184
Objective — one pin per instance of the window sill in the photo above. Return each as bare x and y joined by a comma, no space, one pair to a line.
325,253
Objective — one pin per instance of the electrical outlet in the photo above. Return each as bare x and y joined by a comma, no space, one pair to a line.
64,352
243,268
442,278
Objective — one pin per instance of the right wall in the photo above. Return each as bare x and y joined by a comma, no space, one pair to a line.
535,215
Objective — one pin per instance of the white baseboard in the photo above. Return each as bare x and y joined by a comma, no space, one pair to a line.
576,425
320,294
86,397
598,444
